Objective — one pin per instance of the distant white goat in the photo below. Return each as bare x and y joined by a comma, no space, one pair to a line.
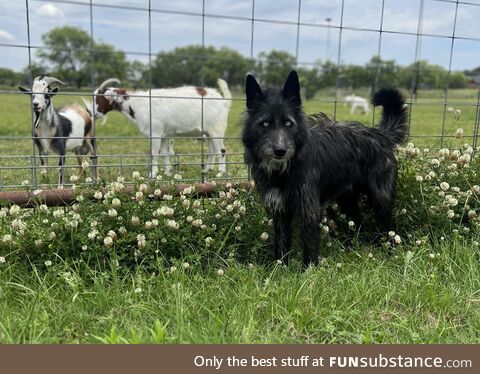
174,111
357,102
67,129
457,114
450,109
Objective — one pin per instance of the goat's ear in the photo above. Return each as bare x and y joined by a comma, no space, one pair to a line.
253,91
291,89
24,90
53,91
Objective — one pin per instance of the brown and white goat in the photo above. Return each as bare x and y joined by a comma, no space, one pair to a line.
174,111
67,129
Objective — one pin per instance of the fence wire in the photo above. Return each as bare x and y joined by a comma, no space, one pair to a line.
119,154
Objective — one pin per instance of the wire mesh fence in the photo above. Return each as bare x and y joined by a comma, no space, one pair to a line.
121,148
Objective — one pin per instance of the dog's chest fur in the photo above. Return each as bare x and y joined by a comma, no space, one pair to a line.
274,200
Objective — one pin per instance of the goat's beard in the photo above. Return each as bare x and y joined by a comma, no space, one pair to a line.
276,165
36,121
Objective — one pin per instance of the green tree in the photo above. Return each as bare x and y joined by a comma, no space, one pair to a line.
68,51
274,66
9,77
73,57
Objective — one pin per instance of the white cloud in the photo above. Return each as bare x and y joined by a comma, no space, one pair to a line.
5,35
50,10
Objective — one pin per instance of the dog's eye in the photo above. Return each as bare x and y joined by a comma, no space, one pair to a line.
288,123
266,124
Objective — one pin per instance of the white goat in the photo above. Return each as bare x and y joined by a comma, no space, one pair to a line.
457,114
357,102
66,129
174,111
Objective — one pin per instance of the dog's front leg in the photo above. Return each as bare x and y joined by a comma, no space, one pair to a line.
310,237
283,235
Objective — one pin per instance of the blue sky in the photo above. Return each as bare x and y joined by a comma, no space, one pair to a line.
127,29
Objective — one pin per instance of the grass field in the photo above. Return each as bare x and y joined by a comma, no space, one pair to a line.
129,151
184,270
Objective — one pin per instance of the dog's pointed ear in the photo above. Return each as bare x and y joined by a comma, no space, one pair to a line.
24,90
291,88
252,91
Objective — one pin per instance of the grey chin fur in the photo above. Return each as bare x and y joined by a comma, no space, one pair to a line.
272,165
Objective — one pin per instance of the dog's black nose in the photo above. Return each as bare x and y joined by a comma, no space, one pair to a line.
279,152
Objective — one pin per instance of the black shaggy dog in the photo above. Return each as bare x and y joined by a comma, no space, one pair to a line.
299,163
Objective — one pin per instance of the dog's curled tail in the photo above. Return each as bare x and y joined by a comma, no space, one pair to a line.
394,117
223,86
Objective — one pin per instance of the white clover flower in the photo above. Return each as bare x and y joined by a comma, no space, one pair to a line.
189,219
74,178
476,188
172,224
84,247
135,220
148,225
419,178
431,255
52,235
197,204
137,290
264,236
326,229
25,182
112,234
186,204
157,192
7,238
197,222
472,214
432,174
177,177
459,133
116,203
208,241
122,230
238,228
158,177
135,175
2,260
220,272
370,255
112,212
418,242
141,240
464,159
435,163
469,151
167,197
38,242
165,211
108,241
450,214
155,222
85,164
48,263
15,210
444,152
351,224
143,188
391,234
139,196
18,225
444,186
173,269
98,195
88,180
397,239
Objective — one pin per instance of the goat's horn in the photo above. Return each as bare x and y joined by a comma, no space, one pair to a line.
106,83
51,80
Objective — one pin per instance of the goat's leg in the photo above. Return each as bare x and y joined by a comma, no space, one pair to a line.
156,144
220,154
211,155
164,153
43,162
81,170
91,147
61,175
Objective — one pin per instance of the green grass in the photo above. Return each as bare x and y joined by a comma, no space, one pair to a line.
72,288
15,120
